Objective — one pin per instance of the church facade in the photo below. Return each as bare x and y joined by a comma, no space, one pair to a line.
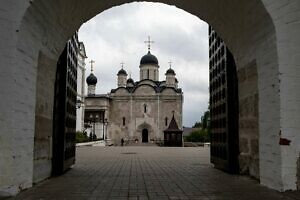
135,111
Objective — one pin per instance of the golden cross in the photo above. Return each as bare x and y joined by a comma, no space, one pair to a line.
149,42
92,62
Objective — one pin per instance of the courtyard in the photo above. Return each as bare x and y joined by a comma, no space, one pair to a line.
148,172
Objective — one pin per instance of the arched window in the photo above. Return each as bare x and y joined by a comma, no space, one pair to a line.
145,108
124,120
148,73
166,121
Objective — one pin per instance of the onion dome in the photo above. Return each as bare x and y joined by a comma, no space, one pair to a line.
91,79
149,59
170,71
122,72
130,80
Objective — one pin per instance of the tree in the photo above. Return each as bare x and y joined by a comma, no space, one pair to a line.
198,136
205,120
197,125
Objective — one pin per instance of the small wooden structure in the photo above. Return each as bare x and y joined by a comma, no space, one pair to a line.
173,135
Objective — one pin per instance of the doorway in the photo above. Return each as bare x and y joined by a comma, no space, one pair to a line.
145,136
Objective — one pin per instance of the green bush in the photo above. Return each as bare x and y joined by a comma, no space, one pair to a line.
198,136
81,137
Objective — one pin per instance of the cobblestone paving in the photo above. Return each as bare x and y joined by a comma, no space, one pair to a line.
148,173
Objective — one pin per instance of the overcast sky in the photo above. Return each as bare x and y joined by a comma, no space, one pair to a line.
118,34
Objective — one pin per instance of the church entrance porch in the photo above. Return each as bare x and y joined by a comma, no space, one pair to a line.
144,133
145,136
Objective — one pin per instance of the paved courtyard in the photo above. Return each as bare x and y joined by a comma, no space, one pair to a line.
148,173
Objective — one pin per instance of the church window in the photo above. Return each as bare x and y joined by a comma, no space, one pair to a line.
124,121
154,74
145,108
148,73
166,121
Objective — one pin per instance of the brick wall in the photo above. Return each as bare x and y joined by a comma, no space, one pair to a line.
286,17
43,118
248,120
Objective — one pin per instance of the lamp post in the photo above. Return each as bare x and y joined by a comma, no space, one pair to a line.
93,128
105,136
96,119
93,119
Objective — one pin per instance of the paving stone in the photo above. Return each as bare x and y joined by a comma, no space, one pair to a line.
154,173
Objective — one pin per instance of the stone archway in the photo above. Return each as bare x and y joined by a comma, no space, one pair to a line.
144,131
258,31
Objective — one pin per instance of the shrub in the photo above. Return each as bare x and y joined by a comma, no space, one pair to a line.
81,137
198,136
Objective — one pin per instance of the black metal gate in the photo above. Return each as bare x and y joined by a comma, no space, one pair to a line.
64,119
223,106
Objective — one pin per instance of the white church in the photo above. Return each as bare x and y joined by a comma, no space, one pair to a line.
145,111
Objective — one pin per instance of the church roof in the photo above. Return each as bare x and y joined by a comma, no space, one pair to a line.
91,79
130,80
158,86
106,96
173,127
170,71
149,59
122,72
